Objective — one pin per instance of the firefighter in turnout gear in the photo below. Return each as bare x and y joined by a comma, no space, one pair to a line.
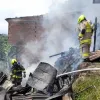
85,29
17,71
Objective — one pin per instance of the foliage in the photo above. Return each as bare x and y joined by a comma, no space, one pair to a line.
4,46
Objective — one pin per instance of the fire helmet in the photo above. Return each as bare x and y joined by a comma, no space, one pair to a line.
13,61
81,18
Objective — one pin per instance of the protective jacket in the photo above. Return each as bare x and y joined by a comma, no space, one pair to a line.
85,29
16,73
85,32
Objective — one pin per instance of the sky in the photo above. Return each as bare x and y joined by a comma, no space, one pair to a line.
19,8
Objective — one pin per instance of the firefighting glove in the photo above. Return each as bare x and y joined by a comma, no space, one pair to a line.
83,31
24,74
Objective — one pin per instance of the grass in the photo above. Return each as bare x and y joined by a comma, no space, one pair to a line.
89,85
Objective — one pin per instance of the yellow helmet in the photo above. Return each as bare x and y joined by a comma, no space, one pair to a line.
81,18
13,61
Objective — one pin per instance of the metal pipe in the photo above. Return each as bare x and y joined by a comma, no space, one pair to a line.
76,71
57,54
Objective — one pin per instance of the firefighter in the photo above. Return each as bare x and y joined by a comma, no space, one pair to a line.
85,29
7,88
16,72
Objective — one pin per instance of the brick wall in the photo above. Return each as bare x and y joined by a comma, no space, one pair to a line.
22,30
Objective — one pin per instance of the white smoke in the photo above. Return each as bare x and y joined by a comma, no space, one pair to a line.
28,71
60,29
2,94
62,18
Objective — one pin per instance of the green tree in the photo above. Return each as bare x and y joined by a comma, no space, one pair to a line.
4,50
4,46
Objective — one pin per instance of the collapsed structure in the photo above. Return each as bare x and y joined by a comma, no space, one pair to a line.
65,93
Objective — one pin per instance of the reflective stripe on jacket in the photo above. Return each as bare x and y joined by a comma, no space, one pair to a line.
88,28
85,54
86,37
80,35
15,76
88,41
17,71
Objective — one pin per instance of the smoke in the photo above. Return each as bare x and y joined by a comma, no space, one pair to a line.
2,94
28,71
60,25
62,18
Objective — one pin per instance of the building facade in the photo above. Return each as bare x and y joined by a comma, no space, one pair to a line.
22,30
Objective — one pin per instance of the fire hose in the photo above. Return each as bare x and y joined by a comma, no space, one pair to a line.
76,71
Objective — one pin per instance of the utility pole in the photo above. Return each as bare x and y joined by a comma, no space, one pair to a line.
95,29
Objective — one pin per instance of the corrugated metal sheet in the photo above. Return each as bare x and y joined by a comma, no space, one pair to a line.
43,76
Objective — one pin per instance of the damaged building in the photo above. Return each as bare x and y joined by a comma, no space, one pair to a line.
22,30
